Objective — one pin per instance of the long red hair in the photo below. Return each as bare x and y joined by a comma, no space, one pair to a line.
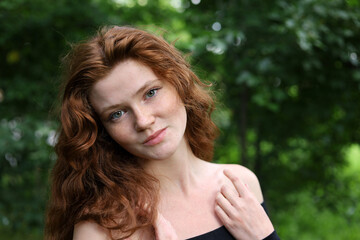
94,178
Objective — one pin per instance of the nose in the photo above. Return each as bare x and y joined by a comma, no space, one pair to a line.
144,118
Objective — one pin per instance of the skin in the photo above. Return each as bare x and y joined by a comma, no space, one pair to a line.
133,104
195,196
237,209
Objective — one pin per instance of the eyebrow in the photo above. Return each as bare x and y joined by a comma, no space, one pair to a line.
140,90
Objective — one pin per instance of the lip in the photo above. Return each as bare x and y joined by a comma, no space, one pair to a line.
155,138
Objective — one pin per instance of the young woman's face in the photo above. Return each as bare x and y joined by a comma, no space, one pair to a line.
142,113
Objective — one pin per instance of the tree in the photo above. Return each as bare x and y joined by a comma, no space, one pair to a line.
35,36
286,73
289,73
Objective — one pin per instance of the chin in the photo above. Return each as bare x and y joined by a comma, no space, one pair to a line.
161,153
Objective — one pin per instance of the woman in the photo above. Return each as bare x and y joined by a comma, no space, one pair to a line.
135,147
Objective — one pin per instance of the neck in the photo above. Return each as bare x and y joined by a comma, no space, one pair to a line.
177,174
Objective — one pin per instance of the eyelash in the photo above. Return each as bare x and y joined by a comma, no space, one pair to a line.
151,90
112,118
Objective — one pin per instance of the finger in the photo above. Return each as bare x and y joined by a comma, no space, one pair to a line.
161,221
222,215
164,229
238,184
158,220
231,195
225,205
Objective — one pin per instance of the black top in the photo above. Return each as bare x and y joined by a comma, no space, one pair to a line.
222,233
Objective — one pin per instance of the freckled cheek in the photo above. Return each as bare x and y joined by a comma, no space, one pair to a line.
173,106
120,135
177,112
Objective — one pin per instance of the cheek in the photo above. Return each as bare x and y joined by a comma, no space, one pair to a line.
182,115
177,111
119,135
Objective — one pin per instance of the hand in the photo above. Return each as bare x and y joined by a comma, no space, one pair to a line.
240,211
163,229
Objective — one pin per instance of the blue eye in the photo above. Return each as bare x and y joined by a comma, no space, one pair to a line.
151,93
116,115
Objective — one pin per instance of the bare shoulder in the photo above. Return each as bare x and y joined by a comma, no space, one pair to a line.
247,176
90,230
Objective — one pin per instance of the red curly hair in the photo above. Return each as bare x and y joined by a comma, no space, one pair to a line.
94,178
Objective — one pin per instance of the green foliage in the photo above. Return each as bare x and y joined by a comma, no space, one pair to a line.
33,40
286,73
305,221
36,34
352,154
290,74
308,216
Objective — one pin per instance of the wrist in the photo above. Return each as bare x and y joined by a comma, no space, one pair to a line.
272,236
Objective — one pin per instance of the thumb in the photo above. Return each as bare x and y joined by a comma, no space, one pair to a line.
163,229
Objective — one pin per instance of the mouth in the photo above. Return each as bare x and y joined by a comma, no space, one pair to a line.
155,138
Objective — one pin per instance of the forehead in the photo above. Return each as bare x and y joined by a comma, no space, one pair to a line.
121,83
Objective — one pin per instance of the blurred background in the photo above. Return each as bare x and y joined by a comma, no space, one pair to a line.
287,78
